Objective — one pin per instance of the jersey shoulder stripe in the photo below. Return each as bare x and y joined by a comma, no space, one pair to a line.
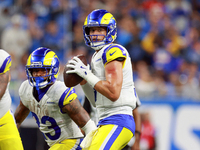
67,97
6,65
5,61
112,52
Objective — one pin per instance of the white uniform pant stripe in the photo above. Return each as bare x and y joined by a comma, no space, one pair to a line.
76,145
108,137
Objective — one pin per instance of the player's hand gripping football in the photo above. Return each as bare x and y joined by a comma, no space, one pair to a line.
78,67
82,70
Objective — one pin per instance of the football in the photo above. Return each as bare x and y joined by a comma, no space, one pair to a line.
73,79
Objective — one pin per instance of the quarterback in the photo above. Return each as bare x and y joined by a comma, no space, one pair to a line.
54,106
108,85
9,135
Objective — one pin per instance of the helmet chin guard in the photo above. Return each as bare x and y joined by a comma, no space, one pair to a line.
39,83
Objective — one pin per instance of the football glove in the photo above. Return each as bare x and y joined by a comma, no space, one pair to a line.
82,70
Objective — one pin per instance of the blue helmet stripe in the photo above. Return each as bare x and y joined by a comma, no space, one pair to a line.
96,17
40,53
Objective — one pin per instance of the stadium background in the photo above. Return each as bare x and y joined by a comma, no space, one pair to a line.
162,37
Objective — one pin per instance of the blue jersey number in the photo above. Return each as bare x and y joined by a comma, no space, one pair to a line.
53,126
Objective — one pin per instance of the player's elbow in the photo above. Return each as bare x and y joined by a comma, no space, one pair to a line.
114,94
113,97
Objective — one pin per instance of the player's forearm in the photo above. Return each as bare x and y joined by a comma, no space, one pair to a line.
137,127
77,113
19,118
137,119
103,87
80,118
20,114
136,145
111,86
109,90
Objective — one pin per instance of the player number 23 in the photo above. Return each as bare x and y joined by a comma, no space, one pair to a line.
53,125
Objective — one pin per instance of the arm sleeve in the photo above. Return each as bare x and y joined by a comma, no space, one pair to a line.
138,102
114,52
67,97
22,93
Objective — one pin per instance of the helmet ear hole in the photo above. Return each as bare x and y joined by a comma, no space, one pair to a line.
87,30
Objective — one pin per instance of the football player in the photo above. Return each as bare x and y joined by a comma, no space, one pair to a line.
138,126
54,106
134,143
9,135
109,84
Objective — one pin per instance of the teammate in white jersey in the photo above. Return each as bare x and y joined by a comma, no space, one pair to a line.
54,106
9,135
108,85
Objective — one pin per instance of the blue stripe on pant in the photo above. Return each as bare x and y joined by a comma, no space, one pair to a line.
113,138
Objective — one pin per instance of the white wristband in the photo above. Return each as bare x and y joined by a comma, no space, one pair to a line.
92,79
89,126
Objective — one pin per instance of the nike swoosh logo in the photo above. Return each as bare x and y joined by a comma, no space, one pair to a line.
98,59
71,100
50,102
82,67
2,124
112,53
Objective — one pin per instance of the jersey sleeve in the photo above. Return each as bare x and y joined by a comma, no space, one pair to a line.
113,52
22,91
67,97
138,102
5,62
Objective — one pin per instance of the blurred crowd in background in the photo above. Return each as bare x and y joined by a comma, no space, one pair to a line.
162,37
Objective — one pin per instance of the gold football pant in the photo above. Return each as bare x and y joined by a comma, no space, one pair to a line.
110,137
9,134
68,144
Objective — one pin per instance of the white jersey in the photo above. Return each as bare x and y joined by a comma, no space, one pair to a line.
5,63
127,100
53,123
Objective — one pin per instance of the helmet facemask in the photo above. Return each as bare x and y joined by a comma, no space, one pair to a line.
94,41
39,82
